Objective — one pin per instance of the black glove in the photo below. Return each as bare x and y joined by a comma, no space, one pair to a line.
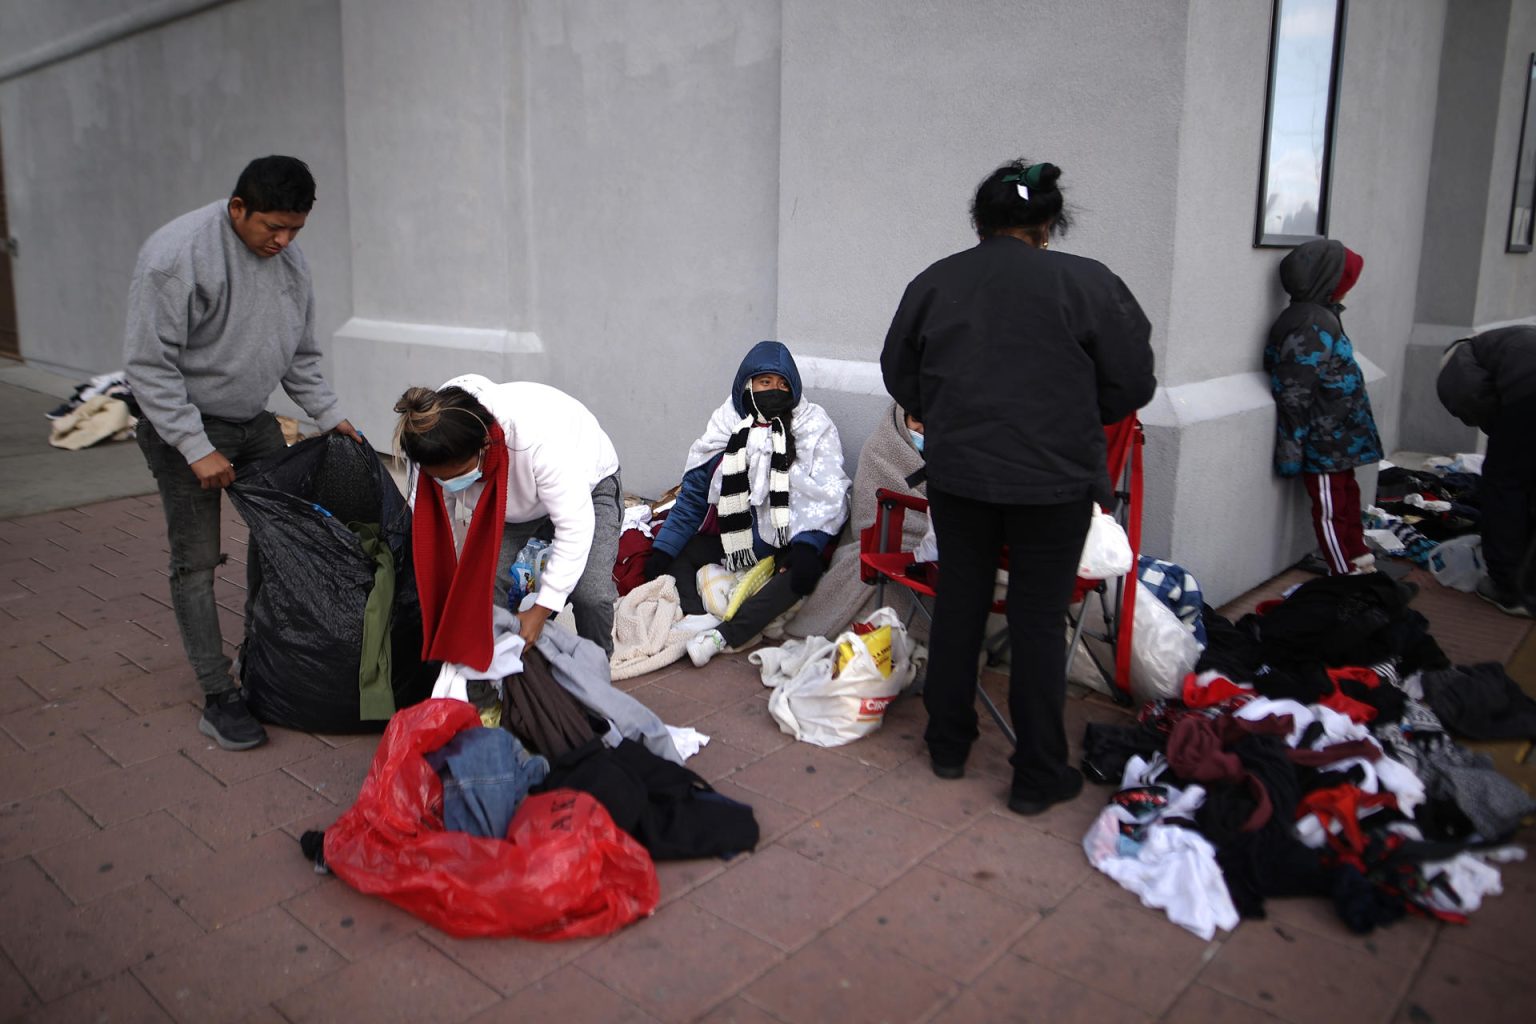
805,568
656,564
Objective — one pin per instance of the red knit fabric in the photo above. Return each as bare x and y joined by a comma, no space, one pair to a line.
1359,712
1342,805
455,589
1353,264
1217,690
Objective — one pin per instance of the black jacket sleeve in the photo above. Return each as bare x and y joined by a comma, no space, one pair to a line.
901,359
1118,342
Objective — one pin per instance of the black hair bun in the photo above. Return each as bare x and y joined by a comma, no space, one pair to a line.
1049,175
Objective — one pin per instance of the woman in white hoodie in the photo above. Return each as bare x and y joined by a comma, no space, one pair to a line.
560,475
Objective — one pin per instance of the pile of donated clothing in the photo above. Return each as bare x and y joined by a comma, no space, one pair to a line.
1314,753
543,825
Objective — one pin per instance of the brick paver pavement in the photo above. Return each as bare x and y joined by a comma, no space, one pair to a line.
148,876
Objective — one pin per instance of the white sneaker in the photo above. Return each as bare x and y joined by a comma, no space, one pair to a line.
705,645
696,623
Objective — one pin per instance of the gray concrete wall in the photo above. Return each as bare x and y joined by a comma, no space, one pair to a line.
105,146
1460,172
654,167
1506,287
437,187
32,26
1467,282
894,112
1387,120
583,193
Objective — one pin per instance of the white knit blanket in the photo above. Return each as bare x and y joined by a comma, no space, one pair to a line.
644,639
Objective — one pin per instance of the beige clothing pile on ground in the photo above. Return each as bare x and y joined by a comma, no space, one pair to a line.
93,421
644,637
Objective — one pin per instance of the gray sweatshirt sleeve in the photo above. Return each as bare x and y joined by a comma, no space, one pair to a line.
303,381
157,331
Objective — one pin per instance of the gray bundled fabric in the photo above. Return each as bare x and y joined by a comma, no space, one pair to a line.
582,668
1492,803
886,460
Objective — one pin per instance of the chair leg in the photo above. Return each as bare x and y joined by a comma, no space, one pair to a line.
996,647
1112,624
1077,633
997,716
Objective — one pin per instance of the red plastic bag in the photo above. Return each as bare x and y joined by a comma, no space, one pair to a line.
564,871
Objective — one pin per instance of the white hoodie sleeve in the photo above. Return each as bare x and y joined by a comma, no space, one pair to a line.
568,500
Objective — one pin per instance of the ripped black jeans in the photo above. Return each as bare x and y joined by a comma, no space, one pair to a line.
192,527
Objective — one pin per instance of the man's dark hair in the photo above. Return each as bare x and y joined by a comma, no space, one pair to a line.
1000,202
280,183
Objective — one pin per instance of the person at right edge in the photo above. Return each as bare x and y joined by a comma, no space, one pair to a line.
1323,423
1014,357
1489,382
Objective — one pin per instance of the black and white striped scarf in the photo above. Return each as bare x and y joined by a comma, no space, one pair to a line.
735,509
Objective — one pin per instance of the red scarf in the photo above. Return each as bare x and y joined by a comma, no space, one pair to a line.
455,589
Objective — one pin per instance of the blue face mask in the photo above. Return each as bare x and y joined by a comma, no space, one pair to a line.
917,441
461,482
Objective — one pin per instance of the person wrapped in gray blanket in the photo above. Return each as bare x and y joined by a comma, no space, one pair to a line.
892,453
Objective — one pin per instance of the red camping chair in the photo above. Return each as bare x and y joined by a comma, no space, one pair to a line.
882,561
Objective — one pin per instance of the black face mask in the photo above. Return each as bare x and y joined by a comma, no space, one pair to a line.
773,402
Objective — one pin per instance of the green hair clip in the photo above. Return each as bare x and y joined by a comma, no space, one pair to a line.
1026,179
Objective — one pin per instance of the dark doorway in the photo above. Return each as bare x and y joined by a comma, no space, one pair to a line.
10,341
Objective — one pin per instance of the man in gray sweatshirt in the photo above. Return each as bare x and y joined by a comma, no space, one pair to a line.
220,311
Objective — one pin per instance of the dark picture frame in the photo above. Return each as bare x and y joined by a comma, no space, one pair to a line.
1306,48
1522,205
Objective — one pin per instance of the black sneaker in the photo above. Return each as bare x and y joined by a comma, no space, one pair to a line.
948,771
228,722
1032,802
1505,601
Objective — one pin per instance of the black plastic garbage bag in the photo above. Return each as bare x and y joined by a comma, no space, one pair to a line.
304,633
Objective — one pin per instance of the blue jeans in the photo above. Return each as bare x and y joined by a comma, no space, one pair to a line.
486,773
192,527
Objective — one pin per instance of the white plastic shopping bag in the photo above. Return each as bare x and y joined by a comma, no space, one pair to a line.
1458,562
830,693
1106,551
1163,650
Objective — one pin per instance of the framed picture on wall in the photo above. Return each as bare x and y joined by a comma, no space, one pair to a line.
1523,207
1305,47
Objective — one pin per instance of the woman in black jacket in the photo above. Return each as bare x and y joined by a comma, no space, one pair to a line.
1014,357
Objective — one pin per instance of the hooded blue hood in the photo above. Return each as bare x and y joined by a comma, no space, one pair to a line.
765,357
